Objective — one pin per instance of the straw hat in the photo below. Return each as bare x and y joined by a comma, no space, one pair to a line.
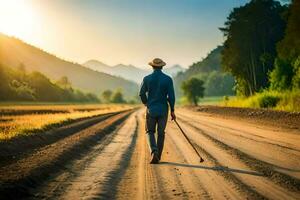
157,62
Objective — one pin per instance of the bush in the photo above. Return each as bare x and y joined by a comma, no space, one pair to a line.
117,97
290,101
268,101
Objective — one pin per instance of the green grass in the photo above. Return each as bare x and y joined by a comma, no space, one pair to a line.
285,101
215,100
211,100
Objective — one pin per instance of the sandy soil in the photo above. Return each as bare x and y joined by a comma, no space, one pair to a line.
110,160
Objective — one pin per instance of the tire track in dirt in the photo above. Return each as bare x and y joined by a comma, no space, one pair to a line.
110,160
20,147
153,189
255,138
245,161
145,181
98,177
110,189
31,171
140,180
252,135
201,176
233,169
167,180
178,176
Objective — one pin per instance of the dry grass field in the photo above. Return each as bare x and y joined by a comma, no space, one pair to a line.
28,119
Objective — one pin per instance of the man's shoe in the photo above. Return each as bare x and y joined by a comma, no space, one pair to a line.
155,158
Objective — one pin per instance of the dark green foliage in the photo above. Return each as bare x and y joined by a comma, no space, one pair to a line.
5,89
90,97
106,95
193,89
117,97
289,48
296,77
217,83
17,85
281,76
44,89
252,32
268,101
23,91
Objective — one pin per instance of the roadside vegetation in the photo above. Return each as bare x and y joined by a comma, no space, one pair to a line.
26,120
259,60
266,49
286,101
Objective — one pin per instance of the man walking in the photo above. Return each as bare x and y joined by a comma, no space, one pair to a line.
156,92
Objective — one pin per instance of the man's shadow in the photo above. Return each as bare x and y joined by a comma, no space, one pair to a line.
216,168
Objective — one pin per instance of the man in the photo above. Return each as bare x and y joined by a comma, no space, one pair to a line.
156,92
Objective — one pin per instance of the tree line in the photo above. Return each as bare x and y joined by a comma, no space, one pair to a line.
113,97
19,85
262,46
261,51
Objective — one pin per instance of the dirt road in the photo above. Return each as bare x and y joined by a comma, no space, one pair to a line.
110,160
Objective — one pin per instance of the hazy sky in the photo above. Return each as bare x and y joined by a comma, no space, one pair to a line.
119,31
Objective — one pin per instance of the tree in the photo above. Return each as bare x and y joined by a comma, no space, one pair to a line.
282,75
106,95
92,97
289,48
252,32
5,89
193,89
64,82
44,89
117,97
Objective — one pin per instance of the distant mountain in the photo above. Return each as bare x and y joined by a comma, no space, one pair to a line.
14,52
97,66
128,72
173,71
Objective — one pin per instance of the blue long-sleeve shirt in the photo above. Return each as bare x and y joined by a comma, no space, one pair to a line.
156,92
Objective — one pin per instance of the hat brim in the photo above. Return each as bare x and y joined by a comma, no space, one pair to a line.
157,65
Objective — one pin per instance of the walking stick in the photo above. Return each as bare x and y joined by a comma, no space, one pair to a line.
201,159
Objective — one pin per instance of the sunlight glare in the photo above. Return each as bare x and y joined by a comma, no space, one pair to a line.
17,18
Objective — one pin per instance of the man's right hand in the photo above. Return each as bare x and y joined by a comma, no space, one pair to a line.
173,116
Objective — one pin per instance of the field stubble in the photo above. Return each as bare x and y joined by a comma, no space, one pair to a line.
29,119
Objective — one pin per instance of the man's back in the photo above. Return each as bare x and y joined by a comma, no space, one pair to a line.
156,91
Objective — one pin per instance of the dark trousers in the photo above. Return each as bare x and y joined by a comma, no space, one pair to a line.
153,124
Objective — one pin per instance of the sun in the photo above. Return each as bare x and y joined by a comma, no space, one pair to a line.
17,17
